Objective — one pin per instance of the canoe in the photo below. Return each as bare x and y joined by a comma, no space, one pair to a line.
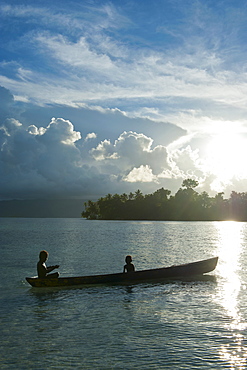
159,274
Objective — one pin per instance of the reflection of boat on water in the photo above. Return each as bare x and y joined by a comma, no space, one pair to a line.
159,274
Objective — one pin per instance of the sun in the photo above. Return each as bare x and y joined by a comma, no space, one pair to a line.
226,156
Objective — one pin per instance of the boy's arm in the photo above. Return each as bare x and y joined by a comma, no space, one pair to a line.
51,268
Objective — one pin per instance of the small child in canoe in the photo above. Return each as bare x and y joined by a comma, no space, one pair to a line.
129,267
42,270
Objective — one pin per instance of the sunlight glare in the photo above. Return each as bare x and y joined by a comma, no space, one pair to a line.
229,251
230,244
226,154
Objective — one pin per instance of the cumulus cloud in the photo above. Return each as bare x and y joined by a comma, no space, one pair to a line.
141,174
90,136
186,163
51,161
60,130
37,161
58,161
132,149
55,159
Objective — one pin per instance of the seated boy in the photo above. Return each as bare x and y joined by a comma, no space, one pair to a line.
129,267
43,271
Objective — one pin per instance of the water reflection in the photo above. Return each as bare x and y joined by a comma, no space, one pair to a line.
230,248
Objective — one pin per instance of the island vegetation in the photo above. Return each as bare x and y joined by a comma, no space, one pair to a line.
186,205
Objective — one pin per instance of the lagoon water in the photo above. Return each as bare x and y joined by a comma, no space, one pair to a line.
198,324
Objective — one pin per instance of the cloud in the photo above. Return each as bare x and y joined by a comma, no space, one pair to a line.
60,131
132,150
186,162
94,66
6,103
61,159
70,20
57,161
38,160
90,136
141,174
76,54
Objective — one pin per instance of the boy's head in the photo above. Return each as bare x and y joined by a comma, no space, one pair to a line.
128,259
43,255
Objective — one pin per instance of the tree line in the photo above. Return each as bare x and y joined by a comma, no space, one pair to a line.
186,205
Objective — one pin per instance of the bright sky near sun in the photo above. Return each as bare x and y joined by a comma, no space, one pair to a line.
102,97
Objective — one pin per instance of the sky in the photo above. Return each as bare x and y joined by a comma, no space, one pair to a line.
101,97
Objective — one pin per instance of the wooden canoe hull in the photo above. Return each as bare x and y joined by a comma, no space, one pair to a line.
172,272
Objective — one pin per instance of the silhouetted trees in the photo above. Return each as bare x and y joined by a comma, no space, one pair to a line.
185,205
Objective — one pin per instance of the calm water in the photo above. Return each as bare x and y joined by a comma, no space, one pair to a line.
176,325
